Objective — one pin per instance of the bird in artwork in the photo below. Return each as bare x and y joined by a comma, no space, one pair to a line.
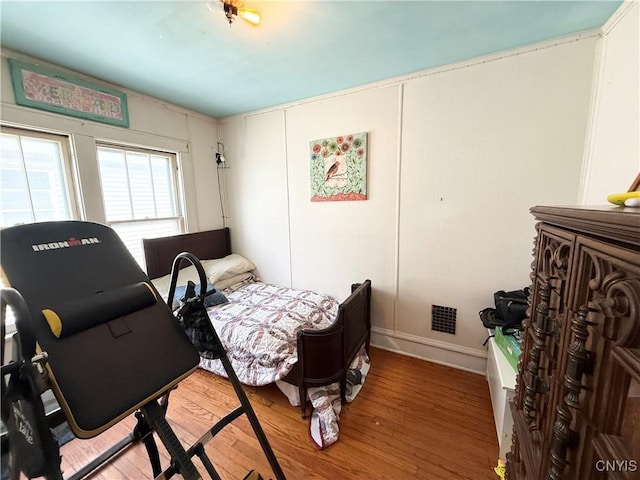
333,169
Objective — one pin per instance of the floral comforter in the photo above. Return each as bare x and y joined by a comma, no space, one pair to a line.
258,329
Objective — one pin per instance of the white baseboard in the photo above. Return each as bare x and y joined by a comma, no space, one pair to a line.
462,358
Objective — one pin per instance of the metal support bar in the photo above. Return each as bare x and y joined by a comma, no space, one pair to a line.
144,431
253,419
202,455
155,417
103,457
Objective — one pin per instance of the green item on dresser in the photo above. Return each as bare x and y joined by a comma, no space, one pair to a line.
510,347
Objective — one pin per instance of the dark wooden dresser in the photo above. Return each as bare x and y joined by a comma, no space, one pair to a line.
576,410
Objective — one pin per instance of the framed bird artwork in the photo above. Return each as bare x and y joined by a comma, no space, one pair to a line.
339,168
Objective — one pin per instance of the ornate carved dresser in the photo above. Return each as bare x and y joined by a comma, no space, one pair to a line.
576,410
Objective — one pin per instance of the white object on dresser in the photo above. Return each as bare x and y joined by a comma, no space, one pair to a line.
502,383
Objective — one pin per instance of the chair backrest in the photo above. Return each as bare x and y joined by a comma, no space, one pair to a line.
113,344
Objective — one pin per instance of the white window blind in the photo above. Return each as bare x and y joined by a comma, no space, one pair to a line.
140,193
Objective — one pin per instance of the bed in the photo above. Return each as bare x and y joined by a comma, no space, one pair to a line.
298,339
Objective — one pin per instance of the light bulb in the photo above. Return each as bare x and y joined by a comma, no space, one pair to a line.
250,15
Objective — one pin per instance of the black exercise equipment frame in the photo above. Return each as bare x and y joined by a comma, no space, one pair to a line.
151,417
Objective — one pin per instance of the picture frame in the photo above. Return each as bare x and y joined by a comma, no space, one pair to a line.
45,89
339,168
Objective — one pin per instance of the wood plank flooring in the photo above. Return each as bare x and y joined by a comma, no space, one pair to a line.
412,420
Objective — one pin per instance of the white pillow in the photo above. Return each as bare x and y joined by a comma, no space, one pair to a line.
162,284
232,281
227,267
215,270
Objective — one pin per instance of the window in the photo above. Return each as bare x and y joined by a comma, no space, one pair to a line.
35,182
140,194
35,178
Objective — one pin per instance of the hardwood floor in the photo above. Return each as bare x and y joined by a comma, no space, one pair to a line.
412,419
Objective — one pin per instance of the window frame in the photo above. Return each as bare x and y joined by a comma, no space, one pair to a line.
68,166
69,174
175,178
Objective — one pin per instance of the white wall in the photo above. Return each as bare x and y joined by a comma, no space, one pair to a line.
257,193
482,145
613,154
153,124
457,156
334,244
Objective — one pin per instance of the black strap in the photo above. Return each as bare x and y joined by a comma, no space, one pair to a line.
487,340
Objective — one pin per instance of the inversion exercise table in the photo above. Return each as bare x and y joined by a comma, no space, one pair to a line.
109,344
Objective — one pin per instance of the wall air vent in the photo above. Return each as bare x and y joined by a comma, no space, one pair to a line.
443,319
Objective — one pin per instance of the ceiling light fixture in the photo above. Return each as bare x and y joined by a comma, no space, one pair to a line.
250,15
235,8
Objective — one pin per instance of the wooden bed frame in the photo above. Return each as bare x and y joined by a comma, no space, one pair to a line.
324,356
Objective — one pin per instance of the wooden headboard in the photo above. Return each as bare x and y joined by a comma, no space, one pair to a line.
159,253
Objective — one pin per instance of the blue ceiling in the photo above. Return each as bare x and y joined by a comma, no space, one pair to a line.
185,52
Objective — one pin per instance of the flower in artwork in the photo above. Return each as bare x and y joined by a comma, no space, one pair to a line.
345,147
360,152
339,139
316,148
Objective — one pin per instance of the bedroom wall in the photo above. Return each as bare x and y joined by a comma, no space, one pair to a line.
153,124
256,192
613,149
457,156
481,145
322,246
